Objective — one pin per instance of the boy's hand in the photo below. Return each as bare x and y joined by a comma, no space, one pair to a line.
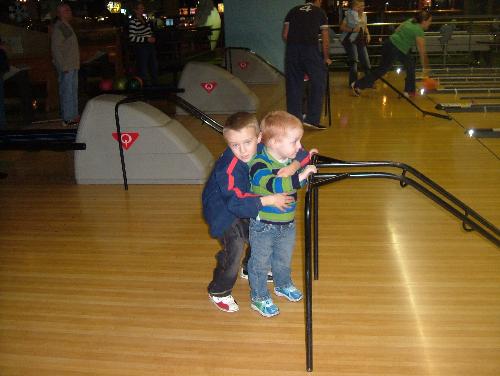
279,200
312,152
293,167
308,170
289,170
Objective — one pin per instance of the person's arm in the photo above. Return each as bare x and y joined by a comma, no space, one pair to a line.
284,32
325,43
239,202
244,204
262,176
344,27
302,159
308,170
424,60
279,200
56,47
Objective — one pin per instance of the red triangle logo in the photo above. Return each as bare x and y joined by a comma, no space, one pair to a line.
209,86
128,138
243,64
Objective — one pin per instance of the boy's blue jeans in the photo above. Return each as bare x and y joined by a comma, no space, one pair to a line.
229,258
272,247
68,94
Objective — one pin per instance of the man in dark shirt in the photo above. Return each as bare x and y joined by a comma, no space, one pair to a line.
302,25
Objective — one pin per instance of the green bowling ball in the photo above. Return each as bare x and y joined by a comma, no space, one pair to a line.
135,83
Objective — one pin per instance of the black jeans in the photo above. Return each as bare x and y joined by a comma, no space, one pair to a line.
390,53
145,56
229,257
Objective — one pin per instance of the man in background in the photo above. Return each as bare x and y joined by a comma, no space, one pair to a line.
302,25
66,58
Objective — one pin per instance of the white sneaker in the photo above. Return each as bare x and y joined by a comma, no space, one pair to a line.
224,303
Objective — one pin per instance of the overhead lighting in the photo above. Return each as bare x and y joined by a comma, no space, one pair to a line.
114,6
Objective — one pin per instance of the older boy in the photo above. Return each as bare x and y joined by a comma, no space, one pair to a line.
272,233
227,203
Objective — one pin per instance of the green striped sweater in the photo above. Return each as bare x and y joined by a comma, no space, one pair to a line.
263,180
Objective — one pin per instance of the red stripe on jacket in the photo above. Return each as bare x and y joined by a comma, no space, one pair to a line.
306,160
230,177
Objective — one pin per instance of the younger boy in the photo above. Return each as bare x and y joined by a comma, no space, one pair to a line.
227,203
272,233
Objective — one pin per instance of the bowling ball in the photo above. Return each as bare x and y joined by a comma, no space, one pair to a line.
430,84
106,85
120,83
135,83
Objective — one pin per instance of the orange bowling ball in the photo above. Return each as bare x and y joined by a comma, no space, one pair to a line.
430,84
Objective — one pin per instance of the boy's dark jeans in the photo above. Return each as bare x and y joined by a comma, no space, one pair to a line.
229,258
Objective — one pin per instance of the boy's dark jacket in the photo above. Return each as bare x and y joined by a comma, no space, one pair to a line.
227,196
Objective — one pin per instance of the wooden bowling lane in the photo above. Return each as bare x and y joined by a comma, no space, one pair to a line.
98,281
473,120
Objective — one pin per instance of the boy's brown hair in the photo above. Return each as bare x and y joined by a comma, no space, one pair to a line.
240,120
276,123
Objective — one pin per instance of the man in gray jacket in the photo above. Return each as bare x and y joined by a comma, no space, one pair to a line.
66,58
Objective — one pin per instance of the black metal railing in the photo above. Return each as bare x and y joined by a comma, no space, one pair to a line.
471,220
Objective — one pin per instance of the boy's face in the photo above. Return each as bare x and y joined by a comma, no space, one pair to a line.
287,145
243,143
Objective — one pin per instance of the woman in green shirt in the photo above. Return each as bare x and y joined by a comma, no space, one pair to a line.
398,47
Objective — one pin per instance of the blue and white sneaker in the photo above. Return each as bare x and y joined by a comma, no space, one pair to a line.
265,307
291,293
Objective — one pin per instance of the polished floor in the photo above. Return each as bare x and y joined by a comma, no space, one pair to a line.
95,280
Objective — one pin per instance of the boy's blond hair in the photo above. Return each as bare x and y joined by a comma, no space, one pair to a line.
276,123
240,120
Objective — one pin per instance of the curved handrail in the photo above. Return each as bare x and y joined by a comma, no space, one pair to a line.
228,51
195,111
471,218
324,162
